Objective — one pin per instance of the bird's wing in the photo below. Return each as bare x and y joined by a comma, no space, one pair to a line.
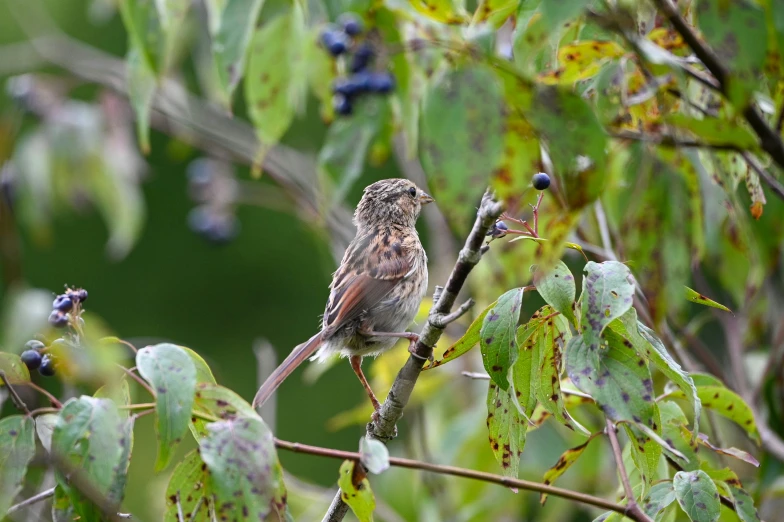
369,271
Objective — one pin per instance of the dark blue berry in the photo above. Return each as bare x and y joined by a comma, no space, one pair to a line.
499,229
31,358
47,366
81,295
362,57
62,303
342,105
352,86
35,344
381,82
58,319
541,181
351,24
335,41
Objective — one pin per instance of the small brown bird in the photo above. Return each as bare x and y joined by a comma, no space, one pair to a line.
376,291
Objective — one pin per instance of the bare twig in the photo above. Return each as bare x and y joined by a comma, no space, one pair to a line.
136,378
633,509
15,398
465,473
384,427
43,495
48,395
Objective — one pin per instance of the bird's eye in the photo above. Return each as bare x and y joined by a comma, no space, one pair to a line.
413,192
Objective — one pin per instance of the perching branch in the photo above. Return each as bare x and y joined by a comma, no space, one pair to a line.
15,398
467,473
43,495
397,399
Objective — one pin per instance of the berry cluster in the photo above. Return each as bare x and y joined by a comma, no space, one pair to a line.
341,39
66,310
212,184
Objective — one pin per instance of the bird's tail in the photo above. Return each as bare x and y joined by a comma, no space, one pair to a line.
289,364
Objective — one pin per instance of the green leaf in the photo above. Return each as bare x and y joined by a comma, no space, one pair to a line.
342,156
645,450
614,375
240,455
697,495
565,461
44,426
218,402
696,297
735,29
556,286
276,78
172,374
189,485
120,394
658,499
203,371
551,336
15,370
62,509
507,428
674,432
744,504
17,449
374,455
355,490
608,289
575,140
497,337
715,131
91,436
145,33
465,343
461,138
141,89
648,345
231,32
715,396
525,371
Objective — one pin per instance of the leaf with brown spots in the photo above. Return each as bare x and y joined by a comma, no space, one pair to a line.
648,345
172,376
608,289
696,297
744,504
498,336
557,288
565,461
506,427
675,434
731,452
495,12
658,499
17,449
189,485
610,373
218,402
715,396
461,138
469,339
697,495
276,80
581,60
355,490
92,436
241,458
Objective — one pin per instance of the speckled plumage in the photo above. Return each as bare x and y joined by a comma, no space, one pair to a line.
376,290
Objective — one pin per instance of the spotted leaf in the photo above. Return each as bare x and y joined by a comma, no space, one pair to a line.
17,449
172,375
444,11
218,402
744,504
507,428
355,490
497,337
461,138
580,61
608,289
565,461
188,486
557,288
243,468
696,297
697,495
658,499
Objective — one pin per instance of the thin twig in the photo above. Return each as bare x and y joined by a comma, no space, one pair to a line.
465,473
48,395
43,495
15,398
633,509
136,378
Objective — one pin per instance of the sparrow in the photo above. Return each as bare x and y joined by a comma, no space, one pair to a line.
377,289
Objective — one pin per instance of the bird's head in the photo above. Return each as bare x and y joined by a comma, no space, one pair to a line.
397,201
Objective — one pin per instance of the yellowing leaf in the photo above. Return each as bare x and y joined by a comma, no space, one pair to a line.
696,297
565,461
444,11
580,61
355,490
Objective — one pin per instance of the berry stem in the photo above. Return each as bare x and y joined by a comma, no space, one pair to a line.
48,395
536,213
138,379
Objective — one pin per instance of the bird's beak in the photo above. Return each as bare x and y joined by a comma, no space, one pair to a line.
425,198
